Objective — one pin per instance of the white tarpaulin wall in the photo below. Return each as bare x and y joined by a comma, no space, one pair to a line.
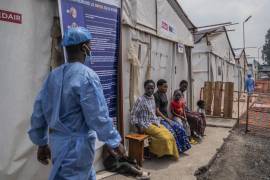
25,52
221,47
180,70
25,55
212,60
236,81
177,30
150,31
161,21
206,67
156,60
218,70
201,72
230,71
243,64
161,61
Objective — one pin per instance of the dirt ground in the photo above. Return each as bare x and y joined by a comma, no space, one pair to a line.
242,157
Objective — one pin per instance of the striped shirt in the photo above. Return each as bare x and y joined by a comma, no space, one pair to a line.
143,112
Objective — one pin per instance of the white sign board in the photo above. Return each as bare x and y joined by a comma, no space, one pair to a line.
180,48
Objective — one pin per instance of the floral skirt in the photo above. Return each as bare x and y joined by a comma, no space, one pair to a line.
179,135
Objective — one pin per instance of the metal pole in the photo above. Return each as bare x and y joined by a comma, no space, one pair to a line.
258,60
259,53
244,41
244,47
246,20
120,101
247,113
238,115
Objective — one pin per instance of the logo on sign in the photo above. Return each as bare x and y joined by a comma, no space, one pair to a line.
10,17
167,27
164,25
180,48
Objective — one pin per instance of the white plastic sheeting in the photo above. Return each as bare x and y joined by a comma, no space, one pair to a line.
177,31
201,72
25,51
158,59
180,70
230,72
214,69
217,70
221,47
237,82
156,17
25,55
243,65
162,61
213,61
146,13
152,28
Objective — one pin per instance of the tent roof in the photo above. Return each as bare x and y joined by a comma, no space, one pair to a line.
238,53
198,36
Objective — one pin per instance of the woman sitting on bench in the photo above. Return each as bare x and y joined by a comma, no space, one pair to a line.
174,127
143,116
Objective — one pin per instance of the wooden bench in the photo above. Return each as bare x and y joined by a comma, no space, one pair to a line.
136,146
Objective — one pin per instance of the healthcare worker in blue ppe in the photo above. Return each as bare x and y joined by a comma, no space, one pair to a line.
69,112
249,84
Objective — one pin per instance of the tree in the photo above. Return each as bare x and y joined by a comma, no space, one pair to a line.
266,48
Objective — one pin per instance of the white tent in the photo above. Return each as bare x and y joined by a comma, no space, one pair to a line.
25,57
212,59
241,60
151,32
156,32
25,52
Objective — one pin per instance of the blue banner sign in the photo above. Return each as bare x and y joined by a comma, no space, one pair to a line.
103,21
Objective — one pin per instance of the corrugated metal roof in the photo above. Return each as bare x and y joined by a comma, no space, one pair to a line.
201,34
198,36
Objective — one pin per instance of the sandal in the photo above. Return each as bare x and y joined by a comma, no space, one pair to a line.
144,176
193,141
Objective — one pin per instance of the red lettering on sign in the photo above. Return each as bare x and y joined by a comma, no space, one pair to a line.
10,17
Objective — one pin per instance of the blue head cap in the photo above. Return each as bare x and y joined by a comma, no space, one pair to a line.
77,35
249,75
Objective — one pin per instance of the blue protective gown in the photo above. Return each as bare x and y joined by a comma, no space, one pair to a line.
68,111
249,85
